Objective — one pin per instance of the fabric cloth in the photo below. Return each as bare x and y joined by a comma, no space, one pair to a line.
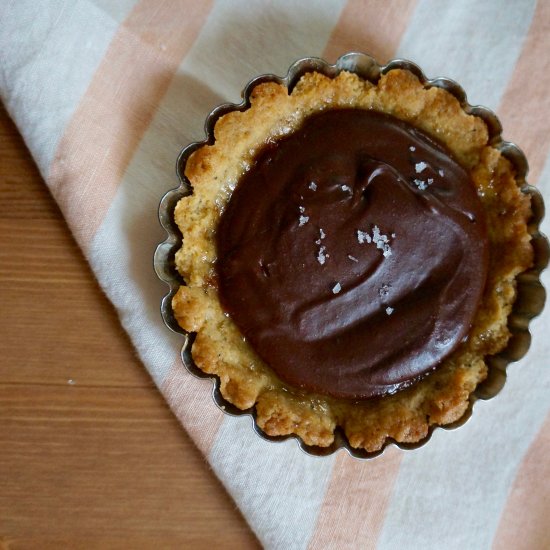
106,93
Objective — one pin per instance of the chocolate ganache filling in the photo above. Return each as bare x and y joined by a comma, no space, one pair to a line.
353,254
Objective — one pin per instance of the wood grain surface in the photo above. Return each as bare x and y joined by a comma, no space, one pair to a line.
90,455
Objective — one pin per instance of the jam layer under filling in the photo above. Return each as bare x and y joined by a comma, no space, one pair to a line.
353,254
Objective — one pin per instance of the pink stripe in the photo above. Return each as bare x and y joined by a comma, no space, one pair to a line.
355,505
191,401
526,103
116,110
525,523
368,26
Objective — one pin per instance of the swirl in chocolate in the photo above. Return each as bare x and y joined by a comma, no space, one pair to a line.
353,254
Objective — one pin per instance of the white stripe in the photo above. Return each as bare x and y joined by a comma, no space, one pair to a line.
116,10
279,488
50,51
243,39
475,43
121,257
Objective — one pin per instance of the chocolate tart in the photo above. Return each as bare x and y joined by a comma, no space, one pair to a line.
360,256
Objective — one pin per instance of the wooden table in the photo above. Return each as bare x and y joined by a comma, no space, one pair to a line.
90,455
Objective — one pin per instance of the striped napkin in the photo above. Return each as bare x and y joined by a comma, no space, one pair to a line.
106,93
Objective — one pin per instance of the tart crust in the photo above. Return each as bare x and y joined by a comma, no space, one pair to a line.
219,347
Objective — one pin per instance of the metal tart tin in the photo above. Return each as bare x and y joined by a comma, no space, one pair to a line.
530,292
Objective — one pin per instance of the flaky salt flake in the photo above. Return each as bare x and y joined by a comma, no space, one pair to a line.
377,237
321,256
430,181
336,288
363,237
421,184
345,188
322,233
389,310
313,186
301,209
381,241
303,220
441,173
318,241
420,166
412,148
352,258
